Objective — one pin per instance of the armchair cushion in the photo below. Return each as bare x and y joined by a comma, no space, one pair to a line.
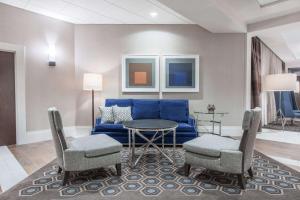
95,145
296,113
211,145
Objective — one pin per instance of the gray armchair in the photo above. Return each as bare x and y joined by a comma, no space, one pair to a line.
223,153
84,153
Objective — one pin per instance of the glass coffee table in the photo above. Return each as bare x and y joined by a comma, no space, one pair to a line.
160,128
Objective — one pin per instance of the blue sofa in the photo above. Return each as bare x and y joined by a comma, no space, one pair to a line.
175,110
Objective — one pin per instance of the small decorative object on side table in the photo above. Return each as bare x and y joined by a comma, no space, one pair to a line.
211,113
211,108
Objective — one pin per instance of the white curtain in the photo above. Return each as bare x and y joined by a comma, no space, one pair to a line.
270,64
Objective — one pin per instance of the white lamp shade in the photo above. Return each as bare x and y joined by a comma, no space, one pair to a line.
92,82
280,82
297,87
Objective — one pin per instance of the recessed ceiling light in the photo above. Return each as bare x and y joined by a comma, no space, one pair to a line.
153,14
264,3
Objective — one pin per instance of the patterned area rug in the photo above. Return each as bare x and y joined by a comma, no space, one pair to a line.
157,178
288,127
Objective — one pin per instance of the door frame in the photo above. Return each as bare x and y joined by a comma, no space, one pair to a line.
20,94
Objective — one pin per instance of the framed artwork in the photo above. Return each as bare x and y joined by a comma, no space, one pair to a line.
180,73
140,73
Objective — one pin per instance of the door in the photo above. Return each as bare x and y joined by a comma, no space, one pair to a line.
7,99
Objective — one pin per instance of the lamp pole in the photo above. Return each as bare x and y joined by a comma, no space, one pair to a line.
93,115
92,82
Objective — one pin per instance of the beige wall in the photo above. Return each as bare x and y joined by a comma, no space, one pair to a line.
98,48
45,86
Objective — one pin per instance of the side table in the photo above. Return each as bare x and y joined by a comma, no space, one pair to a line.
212,120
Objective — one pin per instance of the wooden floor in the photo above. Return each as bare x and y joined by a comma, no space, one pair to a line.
279,149
34,156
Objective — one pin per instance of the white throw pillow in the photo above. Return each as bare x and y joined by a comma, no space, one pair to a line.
122,114
107,114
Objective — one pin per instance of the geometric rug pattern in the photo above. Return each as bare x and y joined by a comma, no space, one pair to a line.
155,175
288,127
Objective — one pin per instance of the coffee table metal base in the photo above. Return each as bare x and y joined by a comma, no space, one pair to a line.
158,133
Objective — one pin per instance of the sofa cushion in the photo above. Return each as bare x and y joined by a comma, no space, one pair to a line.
107,114
96,145
176,110
110,127
145,109
118,102
211,145
122,114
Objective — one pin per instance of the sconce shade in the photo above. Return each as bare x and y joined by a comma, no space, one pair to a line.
280,82
92,82
52,55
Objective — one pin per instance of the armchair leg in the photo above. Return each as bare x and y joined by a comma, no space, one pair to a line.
250,172
187,169
242,181
66,177
59,170
119,169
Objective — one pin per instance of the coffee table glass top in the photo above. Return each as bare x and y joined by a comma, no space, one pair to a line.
150,124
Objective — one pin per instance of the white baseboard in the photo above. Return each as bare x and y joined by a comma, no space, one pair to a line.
44,135
233,131
280,136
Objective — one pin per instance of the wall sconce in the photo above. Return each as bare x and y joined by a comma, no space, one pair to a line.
51,52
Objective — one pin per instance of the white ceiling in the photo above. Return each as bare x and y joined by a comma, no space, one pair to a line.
102,11
230,15
249,11
284,41
263,3
218,16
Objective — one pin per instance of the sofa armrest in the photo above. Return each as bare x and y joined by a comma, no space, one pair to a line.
193,122
98,120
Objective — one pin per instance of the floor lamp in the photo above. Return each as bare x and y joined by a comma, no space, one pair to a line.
297,91
92,82
280,83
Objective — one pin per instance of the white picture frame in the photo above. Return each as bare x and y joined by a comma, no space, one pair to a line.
155,75
196,74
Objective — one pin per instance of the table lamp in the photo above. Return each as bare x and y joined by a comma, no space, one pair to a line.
92,82
280,83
